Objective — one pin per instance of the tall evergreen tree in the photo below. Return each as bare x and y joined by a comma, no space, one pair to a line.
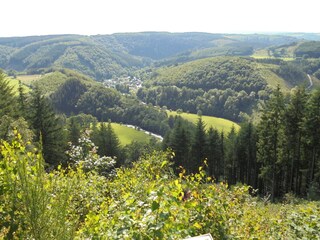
231,157
8,103
48,129
246,154
214,154
199,146
22,100
294,131
74,131
312,125
269,144
107,141
180,144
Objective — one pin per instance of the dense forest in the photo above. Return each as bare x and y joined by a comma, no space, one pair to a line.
65,175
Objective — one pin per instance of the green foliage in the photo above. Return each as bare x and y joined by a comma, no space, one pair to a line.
86,157
9,125
97,100
27,206
105,56
106,140
223,86
222,73
48,129
146,201
292,74
309,49
66,97
8,103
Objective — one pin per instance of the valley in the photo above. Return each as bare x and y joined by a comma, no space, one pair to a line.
159,135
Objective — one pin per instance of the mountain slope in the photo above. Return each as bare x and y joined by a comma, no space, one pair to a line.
106,56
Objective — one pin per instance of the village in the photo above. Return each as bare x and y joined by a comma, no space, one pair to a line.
131,83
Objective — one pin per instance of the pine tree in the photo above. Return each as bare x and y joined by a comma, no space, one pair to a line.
269,145
246,153
48,129
199,146
8,103
214,154
231,158
294,131
74,132
22,100
180,144
312,126
107,141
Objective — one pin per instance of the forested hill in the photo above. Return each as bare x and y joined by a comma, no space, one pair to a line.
227,87
105,56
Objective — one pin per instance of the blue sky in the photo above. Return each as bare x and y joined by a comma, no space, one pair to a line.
40,17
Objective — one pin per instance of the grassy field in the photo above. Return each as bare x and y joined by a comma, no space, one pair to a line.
126,134
28,79
220,124
261,53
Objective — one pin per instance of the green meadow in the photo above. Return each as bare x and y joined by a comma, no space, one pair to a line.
220,124
28,79
126,134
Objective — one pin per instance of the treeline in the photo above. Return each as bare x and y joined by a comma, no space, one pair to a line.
281,154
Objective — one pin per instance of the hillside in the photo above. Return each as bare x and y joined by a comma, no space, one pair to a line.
51,79
227,87
106,56
76,52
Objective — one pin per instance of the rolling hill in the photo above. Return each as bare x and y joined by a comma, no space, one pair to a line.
227,87
106,56
51,79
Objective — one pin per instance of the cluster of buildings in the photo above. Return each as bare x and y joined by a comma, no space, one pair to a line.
132,83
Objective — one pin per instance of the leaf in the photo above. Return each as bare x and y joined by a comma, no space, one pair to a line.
164,163
197,225
155,205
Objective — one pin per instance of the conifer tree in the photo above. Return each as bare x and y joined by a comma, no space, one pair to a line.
269,144
74,131
214,153
8,103
199,146
48,129
246,154
312,125
180,144
22,100
231,163
107,141
294,131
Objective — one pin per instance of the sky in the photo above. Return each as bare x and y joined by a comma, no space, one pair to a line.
91,17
